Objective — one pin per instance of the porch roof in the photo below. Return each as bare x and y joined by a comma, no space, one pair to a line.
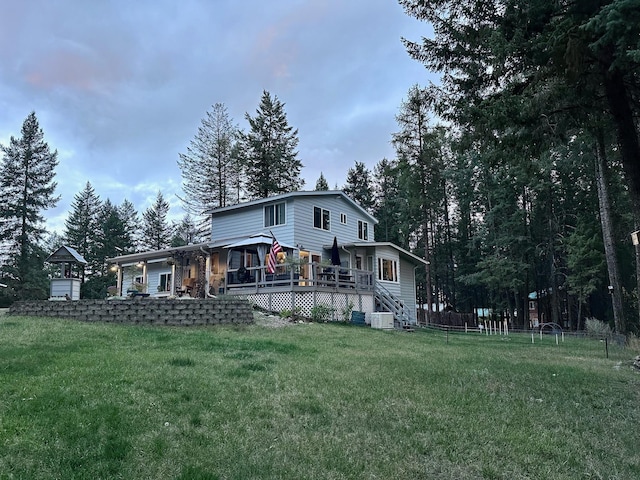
404,253
155,254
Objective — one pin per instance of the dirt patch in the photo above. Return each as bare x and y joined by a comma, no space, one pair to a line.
269,320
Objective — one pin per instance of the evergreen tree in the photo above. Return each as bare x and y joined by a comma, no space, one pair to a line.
131,220
321,183
535,65
211,167
111,239
359,186
27,189
269,148
156,232
184,232
81,226
389,204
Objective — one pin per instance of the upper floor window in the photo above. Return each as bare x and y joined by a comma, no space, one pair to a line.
343,218
275,214
321,218
363,230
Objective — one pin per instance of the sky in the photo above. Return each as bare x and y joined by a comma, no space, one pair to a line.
120,87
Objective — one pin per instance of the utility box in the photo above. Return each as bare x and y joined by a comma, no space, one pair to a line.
382,320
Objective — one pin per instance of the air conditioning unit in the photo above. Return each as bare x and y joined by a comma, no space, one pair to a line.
382,320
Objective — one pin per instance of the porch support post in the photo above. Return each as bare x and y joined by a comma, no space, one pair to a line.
207,275
119,280
172,291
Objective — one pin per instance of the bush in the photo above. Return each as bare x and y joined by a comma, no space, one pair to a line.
633,342
596,328
321,313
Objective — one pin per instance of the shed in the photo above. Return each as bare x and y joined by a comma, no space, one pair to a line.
67,285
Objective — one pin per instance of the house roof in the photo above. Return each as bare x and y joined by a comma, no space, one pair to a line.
292,195
66,254
165,252
406,254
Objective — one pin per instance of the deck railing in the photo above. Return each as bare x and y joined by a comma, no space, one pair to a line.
310,275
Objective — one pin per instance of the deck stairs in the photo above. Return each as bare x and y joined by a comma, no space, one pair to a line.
387,301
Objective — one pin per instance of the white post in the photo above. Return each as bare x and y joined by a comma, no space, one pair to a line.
532,338
556,339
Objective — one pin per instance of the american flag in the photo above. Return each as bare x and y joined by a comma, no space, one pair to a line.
273,256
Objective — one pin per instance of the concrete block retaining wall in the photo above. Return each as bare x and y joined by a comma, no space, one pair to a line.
213,311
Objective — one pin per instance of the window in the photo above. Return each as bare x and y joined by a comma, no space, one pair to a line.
274,214
387,270
321,218
165,282
363,230
343,218
532,305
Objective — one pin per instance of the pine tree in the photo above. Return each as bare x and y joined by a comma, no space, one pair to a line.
184,232
81,226
129,216
27,188
156,232
271,163
110,239
359,186
321,183
389,205
211,167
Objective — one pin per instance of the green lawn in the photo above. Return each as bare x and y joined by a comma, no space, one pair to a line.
311,401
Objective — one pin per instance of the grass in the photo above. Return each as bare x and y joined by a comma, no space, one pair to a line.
318,401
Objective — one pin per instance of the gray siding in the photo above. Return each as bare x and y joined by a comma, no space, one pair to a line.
408,284
298,228
313,239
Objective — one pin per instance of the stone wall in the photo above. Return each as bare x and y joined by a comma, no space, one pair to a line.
215,311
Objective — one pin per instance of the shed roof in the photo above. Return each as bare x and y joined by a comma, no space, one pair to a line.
66,254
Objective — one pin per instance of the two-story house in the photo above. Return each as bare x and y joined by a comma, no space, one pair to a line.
328,257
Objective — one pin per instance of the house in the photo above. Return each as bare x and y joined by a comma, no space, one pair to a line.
311,227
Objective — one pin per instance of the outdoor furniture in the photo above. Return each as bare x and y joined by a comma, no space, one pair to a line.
188,285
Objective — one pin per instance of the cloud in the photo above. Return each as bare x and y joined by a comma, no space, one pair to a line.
120,87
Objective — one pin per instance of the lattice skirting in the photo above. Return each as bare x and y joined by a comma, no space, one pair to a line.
305,301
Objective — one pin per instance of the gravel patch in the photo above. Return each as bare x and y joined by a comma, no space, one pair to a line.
268,320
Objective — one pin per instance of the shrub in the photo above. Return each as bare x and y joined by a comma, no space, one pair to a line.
633,342
321,313
346,312
598,329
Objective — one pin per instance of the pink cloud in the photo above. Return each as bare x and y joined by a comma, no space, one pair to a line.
74,68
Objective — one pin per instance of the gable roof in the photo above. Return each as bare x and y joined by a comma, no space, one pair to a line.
293,195
66,254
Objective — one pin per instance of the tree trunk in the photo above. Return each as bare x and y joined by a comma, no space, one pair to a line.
427,271
620,107
607,235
